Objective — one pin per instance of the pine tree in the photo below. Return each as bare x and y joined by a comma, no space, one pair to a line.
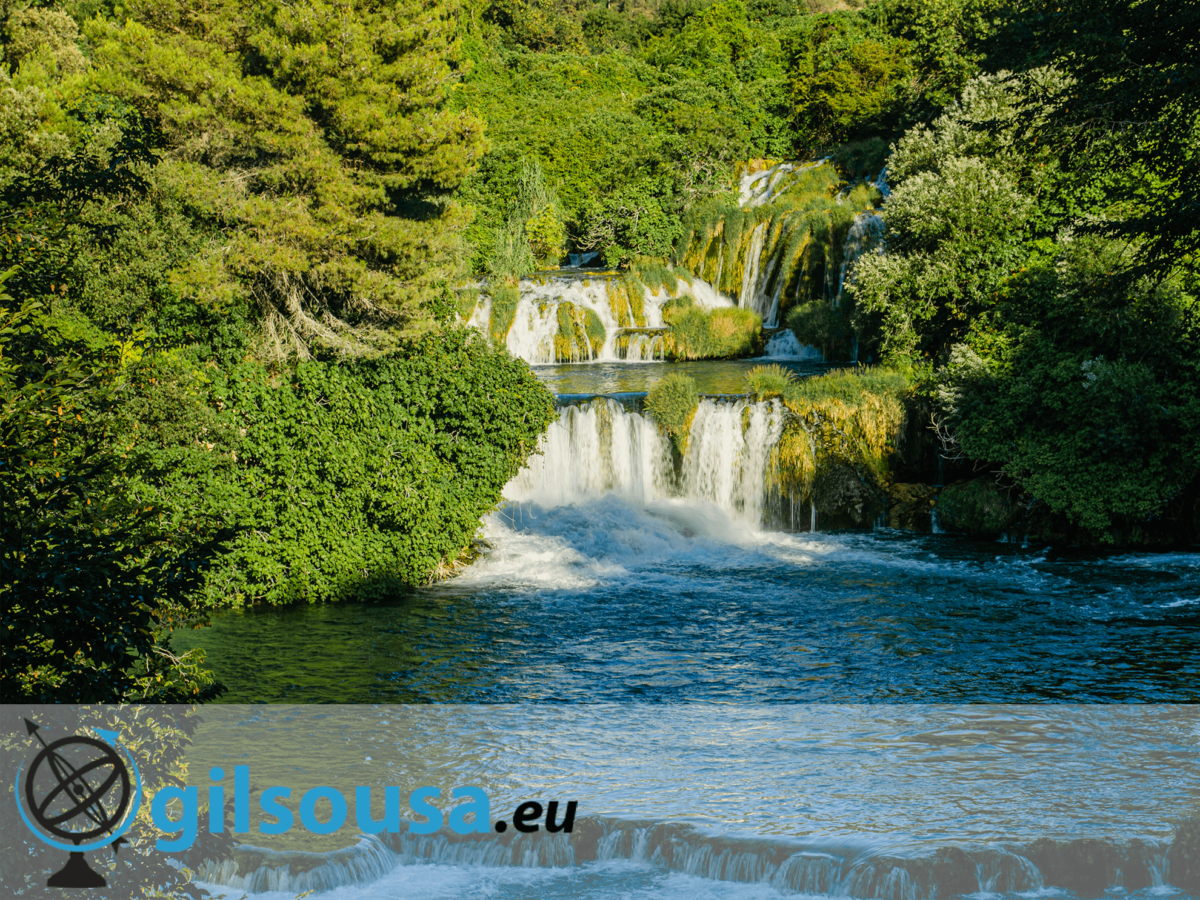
317,140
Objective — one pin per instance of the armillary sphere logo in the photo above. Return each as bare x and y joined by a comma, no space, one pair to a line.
78,789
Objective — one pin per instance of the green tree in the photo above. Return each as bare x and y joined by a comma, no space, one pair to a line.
844,77
1132,106
318,142
92,580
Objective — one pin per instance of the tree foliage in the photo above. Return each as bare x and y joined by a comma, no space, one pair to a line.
362,478
317,141
1132,106
1084,389
92,578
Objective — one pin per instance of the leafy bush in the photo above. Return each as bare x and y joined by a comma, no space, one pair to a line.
672,403
357,479
1085,388
628,224
92,577
818,324
156,737
765,382
952,237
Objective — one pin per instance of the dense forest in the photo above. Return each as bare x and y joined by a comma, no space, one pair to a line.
234,241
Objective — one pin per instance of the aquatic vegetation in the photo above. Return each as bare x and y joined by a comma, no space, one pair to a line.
697,333
672,403
765,382
850,415
465,301
626,298
505,298
580,335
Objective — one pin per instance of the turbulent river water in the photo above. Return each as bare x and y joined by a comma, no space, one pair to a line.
615,580
611,578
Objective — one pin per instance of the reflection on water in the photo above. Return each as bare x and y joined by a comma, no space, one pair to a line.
761,800
607,600
821,776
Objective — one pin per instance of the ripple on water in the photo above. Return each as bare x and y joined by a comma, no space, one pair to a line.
675,600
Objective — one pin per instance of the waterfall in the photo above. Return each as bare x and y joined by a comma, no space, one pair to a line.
865,235
881,183
594,448
785,346
826,868
257,870
644,346
601,446
573,318
752,295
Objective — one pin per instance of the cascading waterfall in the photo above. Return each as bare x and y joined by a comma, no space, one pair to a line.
596,447
601,446
789,866
791,240
864,236
727,455
785,346
584,318
641,346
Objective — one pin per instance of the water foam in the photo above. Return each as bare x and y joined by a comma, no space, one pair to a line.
609,847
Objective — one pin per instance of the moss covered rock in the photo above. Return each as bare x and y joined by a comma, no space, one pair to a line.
845,497
910,506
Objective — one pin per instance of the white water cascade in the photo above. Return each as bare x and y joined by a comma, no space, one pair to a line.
785,346
602,447
865,235
831,869
632,332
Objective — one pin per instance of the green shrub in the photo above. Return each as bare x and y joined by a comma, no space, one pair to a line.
764,382
93,578
672,404
357,479
817,323
697,333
